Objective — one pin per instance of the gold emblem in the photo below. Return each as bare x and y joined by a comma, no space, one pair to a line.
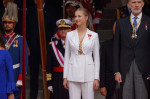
62,22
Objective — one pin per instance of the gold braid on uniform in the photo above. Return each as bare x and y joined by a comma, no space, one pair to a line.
49,76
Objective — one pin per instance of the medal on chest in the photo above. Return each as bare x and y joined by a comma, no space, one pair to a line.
15,43
134,35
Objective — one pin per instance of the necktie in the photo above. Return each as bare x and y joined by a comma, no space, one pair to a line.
135,22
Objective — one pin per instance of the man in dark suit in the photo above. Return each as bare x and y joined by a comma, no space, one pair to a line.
55,61
132,53
107,78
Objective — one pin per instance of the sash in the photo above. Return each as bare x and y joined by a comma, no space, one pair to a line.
10,41
58,54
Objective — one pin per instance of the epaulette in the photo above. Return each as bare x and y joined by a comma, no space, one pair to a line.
18,36
50,43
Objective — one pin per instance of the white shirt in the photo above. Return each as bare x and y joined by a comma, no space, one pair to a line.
63,42
138,19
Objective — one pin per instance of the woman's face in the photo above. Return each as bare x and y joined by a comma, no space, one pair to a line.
80,18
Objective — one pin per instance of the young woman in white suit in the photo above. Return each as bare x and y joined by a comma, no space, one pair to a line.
82,60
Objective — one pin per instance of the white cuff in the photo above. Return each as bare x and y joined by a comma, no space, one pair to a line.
50,88
19,82
117,73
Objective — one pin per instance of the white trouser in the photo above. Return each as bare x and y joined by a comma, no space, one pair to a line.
76,88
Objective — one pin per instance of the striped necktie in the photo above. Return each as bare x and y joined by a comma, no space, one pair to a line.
135,22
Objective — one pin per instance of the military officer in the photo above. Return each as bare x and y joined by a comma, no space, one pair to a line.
70,8
55,61
123,11
13,43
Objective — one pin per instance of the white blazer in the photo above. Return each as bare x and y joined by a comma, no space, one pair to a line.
82,67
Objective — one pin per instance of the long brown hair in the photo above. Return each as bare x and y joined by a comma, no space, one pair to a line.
86,13
2,44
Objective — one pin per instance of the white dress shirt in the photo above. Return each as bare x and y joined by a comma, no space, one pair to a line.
138,19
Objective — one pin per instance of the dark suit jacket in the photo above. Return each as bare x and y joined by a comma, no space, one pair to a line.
107,78
59,92
127,49
52,60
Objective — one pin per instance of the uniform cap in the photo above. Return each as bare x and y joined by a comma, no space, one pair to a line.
11,13
64,23
73,3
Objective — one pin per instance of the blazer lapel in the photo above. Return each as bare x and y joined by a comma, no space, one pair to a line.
87,40
75,39
128,30
141,29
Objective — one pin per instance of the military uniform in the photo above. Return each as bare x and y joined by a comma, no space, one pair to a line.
75,4
55,72
16,53
14,44
123,12
55,62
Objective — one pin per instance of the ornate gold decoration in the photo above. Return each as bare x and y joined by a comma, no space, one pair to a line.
80,44
62,22
49,76
134,35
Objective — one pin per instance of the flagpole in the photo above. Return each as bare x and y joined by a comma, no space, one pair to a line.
23,51
64,9
42,44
